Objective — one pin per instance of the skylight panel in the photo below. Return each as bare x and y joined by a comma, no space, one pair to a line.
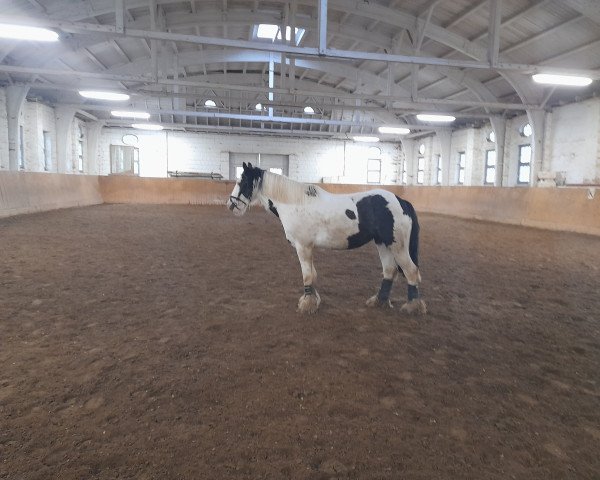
273,32
267,31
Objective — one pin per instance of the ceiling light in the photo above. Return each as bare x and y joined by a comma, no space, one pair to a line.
99,95
366,139
427,117
258,106
21,32
127,114
309,110
147,126
210,104
562,80
395,130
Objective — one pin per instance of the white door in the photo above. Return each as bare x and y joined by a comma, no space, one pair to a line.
235,163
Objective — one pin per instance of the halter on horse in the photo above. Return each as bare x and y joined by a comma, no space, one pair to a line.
312,217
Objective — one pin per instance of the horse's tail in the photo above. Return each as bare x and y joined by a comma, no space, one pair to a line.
413,245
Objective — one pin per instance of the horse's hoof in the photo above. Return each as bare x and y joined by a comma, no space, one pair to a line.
414,307
309,304
374,302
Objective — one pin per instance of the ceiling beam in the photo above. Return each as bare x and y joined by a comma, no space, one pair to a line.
88,28
589,8
261,89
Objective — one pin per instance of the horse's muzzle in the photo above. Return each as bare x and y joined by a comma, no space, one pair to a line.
233,203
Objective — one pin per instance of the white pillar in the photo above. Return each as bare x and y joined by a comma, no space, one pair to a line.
15,98
409,146
445,138
499,126
93,135
64,120
537,120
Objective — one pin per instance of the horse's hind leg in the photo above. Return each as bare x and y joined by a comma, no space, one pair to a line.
310,301
388,264
413,277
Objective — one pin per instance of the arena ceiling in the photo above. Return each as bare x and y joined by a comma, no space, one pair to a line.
359,64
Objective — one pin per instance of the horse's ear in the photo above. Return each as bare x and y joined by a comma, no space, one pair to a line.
250,165
244,165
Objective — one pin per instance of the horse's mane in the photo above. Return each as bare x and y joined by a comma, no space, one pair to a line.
282,189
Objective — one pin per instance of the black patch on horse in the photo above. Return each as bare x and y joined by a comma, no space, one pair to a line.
375,222
350,214
311,191
251,177
273,209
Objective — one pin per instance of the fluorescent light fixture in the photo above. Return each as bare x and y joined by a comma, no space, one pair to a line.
366,139
147,126
210,104
100,95
428,117
309,110
22,32
394,130
561,80
128,114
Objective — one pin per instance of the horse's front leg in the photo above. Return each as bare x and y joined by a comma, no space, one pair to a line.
310,301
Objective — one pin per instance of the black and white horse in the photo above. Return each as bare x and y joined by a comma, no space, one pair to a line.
312,217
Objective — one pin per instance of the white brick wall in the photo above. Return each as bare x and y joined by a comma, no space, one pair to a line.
38,118
575,150
572,145
310,160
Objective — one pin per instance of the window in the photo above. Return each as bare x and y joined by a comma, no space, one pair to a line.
461,168
47,151
278,171
524,173
439,169
420,170
526,130
404,175
490,167
491,137
21,149
124,160
373,170
80,148
238,172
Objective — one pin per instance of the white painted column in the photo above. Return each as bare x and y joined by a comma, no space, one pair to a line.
409,146
537,119
445,139
64,120
93,134
470,157
499,126
15,98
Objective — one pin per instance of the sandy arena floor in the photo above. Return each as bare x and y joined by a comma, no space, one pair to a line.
162,342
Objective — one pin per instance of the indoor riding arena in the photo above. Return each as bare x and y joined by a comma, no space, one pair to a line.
181,190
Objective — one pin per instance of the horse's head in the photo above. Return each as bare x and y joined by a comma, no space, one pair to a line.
244,190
